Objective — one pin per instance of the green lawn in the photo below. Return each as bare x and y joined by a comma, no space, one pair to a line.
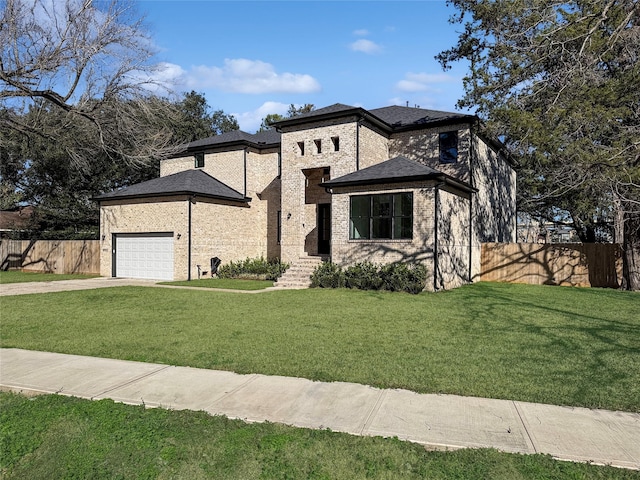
16,276
555,345
60,437
228,283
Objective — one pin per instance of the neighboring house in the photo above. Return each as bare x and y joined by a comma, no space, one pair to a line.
14,222
394,184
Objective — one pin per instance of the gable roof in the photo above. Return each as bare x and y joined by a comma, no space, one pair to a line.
189,182
395,170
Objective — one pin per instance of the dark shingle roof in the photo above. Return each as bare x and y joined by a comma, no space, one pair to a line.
189,182
335,110
395,170
390,118
260,140
397,116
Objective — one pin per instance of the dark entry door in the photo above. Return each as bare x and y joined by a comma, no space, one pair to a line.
324,228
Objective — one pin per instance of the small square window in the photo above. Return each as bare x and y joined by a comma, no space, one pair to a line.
336,143
448,143
301,148
199,160
318,144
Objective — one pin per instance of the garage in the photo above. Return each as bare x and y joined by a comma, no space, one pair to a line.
143,255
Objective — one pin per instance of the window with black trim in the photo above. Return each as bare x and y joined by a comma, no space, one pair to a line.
199,160
384,216
301,148
448,143
336,143
279,164
318,144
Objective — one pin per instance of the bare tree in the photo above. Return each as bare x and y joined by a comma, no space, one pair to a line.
92,62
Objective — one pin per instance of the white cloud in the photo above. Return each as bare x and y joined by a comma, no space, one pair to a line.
420,82
241,75
365,46
250,121
361,33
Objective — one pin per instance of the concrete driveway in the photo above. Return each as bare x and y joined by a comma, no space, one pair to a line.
7,289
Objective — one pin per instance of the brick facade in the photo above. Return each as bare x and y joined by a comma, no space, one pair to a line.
284,181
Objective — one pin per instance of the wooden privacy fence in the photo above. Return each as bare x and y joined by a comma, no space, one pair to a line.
54,256
575,264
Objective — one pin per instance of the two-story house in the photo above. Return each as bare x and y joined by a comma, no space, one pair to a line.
394,184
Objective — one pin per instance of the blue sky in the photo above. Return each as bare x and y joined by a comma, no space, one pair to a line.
251,58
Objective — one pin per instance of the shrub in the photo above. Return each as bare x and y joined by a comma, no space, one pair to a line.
328,275
254,268
400,277
364,276
395,277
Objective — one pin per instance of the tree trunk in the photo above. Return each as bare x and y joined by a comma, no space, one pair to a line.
631,253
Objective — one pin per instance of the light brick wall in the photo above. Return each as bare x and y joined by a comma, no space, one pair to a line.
423,147
417,250
231,231
494,205
299,229
374,147
227,167
145,215
454,239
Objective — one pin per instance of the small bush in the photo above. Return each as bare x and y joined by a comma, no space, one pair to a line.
328,275
363,276
253,268
395,277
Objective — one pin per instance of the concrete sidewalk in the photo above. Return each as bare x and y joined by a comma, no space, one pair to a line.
438,421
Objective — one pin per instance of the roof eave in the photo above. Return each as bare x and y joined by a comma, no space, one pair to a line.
298,120
172,194
410,178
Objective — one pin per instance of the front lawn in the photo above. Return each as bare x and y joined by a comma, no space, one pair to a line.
556,345
60,437
225,283
16,276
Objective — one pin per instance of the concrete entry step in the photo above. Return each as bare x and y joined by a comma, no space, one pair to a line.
299,273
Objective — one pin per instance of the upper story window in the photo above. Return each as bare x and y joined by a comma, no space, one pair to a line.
336,143
199,160
385,216
301,148
279,164
318,144
448,142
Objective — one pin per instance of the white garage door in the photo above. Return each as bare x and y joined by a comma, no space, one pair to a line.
144,255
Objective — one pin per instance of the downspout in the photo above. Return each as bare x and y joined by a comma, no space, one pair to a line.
472,183
435,237
189,200
358,143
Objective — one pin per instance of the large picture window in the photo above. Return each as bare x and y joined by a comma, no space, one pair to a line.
385,216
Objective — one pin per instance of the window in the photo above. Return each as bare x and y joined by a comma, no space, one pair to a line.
336,143
318,146
301,148
386,216
279,164
448,142
199,160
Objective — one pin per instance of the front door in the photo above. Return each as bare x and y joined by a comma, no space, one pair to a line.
324,228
